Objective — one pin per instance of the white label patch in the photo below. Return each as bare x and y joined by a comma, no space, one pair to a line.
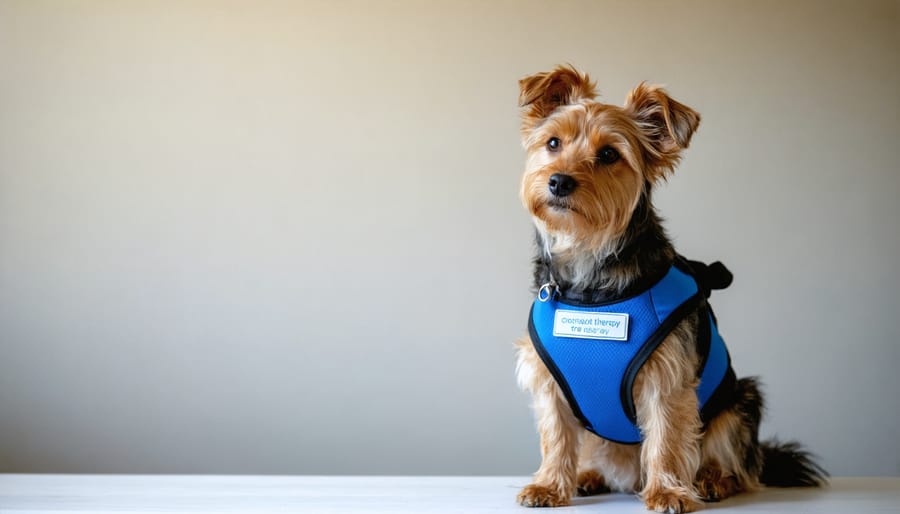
591,325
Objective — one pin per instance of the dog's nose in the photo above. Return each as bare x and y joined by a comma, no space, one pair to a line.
561,184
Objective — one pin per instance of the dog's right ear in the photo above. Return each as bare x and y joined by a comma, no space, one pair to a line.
543,92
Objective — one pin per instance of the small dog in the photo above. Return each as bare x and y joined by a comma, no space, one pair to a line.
632,386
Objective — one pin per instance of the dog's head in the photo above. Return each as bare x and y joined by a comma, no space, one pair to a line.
589,163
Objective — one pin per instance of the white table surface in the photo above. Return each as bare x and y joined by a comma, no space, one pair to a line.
109,494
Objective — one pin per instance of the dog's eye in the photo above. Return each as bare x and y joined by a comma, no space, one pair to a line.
607,155
553,144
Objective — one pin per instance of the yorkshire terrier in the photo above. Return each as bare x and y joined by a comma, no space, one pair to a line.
632,385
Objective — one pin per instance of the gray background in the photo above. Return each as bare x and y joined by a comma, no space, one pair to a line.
284,237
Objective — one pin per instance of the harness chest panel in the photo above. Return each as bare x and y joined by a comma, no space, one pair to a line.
597,375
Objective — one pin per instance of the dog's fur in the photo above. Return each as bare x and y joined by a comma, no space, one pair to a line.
604,237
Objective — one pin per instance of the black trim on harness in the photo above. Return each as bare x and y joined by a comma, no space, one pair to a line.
554,370
704,337
722,398
655,339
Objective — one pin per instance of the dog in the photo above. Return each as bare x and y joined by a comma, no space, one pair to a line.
632,386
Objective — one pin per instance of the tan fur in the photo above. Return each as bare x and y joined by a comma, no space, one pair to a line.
667,412
559,431
714,484
723,474
618,464
591,482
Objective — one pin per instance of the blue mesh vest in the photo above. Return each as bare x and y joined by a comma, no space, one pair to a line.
594,351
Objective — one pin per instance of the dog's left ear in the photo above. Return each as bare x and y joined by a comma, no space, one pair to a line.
542,93
668,124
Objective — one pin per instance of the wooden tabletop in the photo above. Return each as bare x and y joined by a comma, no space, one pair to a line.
114,494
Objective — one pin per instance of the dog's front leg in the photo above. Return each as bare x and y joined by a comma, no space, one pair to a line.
554,482
666,405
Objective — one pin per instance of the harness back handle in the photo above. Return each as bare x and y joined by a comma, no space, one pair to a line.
710,277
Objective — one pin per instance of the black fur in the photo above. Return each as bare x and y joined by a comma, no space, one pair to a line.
749,406
789,465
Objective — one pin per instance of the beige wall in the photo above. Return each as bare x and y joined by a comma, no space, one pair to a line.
284,237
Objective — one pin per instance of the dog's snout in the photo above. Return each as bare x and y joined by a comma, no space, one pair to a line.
561,184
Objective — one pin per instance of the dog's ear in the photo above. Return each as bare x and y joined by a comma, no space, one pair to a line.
667,124
543,92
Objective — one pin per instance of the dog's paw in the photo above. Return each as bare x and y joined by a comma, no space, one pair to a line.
535,495
671,501
712,486
590,483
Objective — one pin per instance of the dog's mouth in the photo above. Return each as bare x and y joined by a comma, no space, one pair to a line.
558,204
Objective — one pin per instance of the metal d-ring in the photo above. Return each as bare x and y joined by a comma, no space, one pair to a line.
545,293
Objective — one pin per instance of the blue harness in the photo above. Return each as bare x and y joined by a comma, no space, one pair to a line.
594,351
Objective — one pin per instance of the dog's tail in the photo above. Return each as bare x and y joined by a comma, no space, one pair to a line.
789,465
776,464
